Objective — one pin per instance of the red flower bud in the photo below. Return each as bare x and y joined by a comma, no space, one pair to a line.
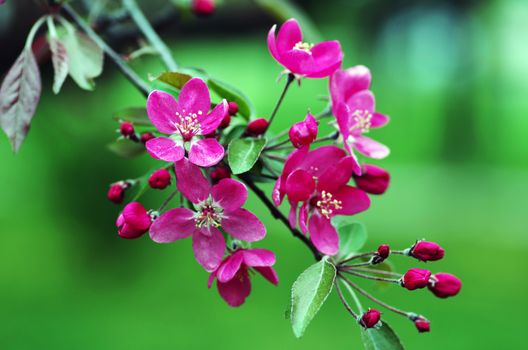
257,127
160,179
233,108
384,251
422,325
133,222
370,318
116,193
427,251
303,133
415,278
126,129
445,285
220,173
225,122
203,7
373,179
146,136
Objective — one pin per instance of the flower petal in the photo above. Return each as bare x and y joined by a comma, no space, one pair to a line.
268,273
230,267
320,159
299,185
295,160
206,152
278,193
243,224
303,217
378,120
327,58
194,97
337,175
289,35
135,215
370,148
345,83
191,182
258,257
172,225
298,62
208,249
230,194
353,201
210,122
292,215
363,100
165,149
323,235
272,45
237,289
161,109
211,279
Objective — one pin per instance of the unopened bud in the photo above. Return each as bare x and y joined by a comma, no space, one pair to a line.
203,7
134,221
160,179
116,192
370,318
415,279
444,285
146,136
373,179
220,173
126,129
232,108
257,127
382,253
427,251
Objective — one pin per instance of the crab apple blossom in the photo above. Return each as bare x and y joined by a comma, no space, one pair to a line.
257,127
318,179
444,285
427,251
160,179
373,179
116,192
353,105
232,275
300,58
415,279
134,221
186,120
219,206
370,318
303,133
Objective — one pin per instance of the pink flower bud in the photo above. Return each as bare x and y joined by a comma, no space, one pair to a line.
146,136
422,325
126,129
133,222
415,279
220,173
203,7
373,179
225,122
427,251
116,193
160,179
233,108
384,251
303,133
370,318
257,127
445,285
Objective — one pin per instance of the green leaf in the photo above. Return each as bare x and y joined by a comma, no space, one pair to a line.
126,148
135,115
174,79
309,292
352,235
230,93
59,57
19,97
234,132
382,338
85,56
242,154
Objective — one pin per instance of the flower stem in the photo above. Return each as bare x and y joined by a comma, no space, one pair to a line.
291,78
139,83
151,35
374,278
353,257
279,216
166,201
343,300
362,269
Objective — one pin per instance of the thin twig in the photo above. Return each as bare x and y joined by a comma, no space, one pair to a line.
374,278
166,201
353,257
291,78
362,269
343,300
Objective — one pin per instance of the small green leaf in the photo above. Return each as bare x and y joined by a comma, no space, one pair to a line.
135,115
352,236
309,292
382,338
126,148
242,154
230,93
174,79
234,132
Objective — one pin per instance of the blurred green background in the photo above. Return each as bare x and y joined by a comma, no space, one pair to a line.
453,76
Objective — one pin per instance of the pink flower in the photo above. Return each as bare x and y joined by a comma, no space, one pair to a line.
373,179
300,58
415,279
353,104
134,221
427,251
444,285
233,278
303,133
318,179
185,121
216,206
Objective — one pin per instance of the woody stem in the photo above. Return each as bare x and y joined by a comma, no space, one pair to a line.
291,78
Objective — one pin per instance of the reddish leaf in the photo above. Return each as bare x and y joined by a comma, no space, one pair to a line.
19,96
60,60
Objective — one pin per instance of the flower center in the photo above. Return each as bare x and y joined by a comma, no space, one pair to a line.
306,47
208,215
327,204
362,120
188,124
